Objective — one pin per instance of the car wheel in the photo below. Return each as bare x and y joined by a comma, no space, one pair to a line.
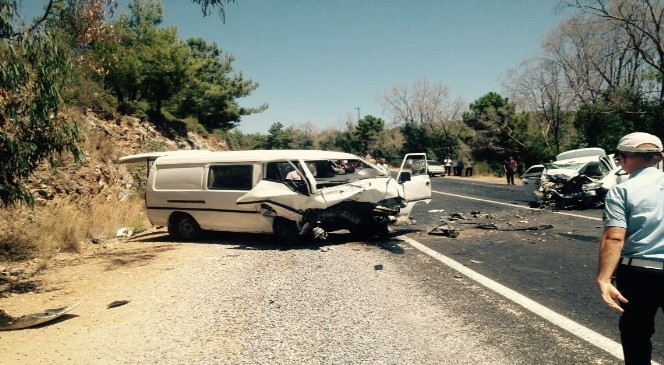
184,227
371,231
285,231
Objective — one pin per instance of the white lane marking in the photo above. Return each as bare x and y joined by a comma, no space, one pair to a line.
561,321
515,206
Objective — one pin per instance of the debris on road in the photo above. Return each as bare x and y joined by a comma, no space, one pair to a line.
445,230
8,323
497,222
116,303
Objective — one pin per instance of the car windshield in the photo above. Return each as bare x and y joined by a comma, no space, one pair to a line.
433,163
565,165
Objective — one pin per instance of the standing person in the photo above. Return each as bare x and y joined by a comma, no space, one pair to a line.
633,241
459,167
382,164
469,168
510,166
448,166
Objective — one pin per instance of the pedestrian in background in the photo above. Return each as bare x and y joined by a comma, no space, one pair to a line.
510,167
382,164
469,168
448,166
633,245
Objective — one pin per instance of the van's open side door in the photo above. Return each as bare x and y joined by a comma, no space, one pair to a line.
414,178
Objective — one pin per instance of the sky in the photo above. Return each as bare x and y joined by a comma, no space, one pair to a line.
318,61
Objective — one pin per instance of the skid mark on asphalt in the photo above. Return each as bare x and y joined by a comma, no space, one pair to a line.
515,206
559,320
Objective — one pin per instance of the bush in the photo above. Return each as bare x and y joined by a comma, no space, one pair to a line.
44,231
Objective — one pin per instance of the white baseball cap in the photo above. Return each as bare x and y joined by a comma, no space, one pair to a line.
632,141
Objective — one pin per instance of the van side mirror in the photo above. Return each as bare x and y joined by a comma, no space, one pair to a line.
405,176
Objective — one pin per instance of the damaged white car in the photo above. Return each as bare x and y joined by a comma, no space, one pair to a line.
578,178
289,193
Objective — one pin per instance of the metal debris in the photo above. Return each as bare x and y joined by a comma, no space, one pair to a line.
8,323
444,230
378,267
116,303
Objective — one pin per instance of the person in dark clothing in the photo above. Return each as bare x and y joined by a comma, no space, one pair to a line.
510,167
469,168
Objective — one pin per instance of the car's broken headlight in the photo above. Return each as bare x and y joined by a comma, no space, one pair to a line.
591,186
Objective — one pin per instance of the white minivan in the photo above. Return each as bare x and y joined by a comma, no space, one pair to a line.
289,193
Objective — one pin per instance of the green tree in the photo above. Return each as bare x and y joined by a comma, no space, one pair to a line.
417,138
34,70
498,129
211,91
33,73
367,135
148,63
278,137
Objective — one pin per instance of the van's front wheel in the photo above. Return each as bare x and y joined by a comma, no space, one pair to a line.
184,227
285,231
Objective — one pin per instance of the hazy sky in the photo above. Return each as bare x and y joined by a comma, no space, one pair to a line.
318,60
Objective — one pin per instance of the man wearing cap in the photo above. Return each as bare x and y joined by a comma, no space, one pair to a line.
633,245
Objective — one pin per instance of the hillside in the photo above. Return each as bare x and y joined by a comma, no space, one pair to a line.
76,204
104,142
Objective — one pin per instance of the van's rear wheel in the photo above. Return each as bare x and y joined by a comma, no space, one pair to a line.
184,227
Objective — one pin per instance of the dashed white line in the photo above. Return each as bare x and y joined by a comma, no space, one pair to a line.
515,206
559,320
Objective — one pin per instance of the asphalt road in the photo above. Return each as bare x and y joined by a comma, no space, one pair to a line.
555,266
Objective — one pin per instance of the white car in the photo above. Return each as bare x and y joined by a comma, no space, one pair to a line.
531,179
435,168
580,180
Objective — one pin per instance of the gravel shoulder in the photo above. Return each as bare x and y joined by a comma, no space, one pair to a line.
239,304
242,300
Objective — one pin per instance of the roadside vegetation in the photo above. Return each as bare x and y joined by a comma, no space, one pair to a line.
599,74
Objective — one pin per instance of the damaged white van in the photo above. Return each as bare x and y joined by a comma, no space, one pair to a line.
289,193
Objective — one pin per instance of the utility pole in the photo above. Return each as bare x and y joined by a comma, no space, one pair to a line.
358,114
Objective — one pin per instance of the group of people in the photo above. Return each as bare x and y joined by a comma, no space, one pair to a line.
456,167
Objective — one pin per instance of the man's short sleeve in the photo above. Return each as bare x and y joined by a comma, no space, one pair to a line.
615,214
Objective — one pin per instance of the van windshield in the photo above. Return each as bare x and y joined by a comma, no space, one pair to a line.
334,172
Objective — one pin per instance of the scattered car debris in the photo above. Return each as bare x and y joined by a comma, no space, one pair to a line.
9,323
125,232
437,211
444,230
502,222
378,267
116,303
456,216
476,261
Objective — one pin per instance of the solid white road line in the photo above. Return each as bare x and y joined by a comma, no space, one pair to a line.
561,321
514,206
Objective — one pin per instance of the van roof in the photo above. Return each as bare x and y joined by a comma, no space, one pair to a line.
206,156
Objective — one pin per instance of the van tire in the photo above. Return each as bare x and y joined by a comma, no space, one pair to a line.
184,227
285,231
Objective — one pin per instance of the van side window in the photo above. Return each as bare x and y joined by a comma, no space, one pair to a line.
277,171
230,177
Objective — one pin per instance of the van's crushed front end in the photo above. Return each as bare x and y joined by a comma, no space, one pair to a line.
331,195
365,206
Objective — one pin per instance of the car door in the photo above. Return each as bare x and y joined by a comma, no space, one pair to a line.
413,177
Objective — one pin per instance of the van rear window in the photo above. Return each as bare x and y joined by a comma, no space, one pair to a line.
179,178
230,177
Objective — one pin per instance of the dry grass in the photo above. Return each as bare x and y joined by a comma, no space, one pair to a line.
44,231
